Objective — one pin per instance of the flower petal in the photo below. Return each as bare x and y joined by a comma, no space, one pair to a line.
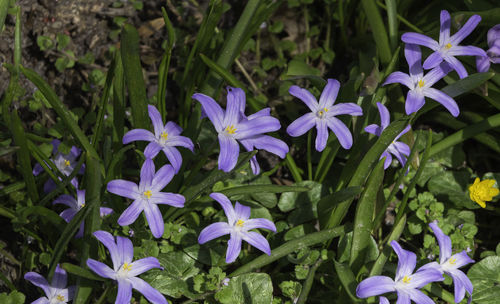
147,173
385,117
322,136
465,30
401,148
406,261
155,116
403,297
172,128
305,96
226,205
420,39
125,249
101,269
433,60
37,280
214,231
105,211
374,286
301,125
373,129
174,157
461,259
229,151
413,56
108,240
257,241
345,108
155,219
131,213
212,109
140,266
399,77
462,283
388,159
270,144
172,199
444,29
124,294
259,125
138,134
445,100
162,177
436,74
151,294
263,112
181,141
67,200
152,150
419,297
259,223
383,300
482,65
242,212
233,248
68,214
42,300
123,188
60,278
329,94
444,242
457,66
423,277
468,50
341,131
414,101
235,105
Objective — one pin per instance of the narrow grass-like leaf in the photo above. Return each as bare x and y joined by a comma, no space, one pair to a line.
81,272
367,163
4,7
133,76
118,100
347,279
403,20
262,189
290,163
6,280
438,291
17,42
44,213
378,30
306,287
164,65
328,203
397,230
12,188
23,156
392,22
466,133
7,212
364,216
326,160
58,106
289,247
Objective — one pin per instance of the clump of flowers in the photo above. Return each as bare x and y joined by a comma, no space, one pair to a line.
56,292
483,191
493,53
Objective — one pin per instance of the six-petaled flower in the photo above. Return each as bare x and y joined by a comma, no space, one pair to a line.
449,264
56,292
323,114
493,53
233,126
448,46
396,148
147,196
165,138
237,226
125,271
420,85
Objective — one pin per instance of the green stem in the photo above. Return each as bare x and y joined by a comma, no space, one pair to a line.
308,283
289,247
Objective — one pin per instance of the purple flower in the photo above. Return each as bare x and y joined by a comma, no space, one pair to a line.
64,162
448,47
147,196
397,148
323,115
420,85
449,264
238,227
75,206
406,283
56,292
493,53
125,271
233,126
166,138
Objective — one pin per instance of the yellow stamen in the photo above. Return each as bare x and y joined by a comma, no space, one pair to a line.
240,223
452,261
231,129
326,110
60,298
448,46
83,205
406,279
127,266
320,113
483,191
421,83
164,135
66,163
147,194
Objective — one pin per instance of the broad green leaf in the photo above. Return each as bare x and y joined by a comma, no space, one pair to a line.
304,204
15,297
328,203
347,279
452,187
254,288
260,191
485,277
345,245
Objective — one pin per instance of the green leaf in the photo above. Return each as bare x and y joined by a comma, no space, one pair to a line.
14,297
452,187
44,43
328,203
378,30
298,67
62,41
81,272
347,279
4,7
252,189
247,288
485,277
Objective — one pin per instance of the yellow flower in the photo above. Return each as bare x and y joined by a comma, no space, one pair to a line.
483,191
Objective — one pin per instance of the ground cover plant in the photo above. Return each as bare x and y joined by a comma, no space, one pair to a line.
293,151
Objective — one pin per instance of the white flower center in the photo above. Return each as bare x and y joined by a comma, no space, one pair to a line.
123,271
230,130
322,112
147,194
163,138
